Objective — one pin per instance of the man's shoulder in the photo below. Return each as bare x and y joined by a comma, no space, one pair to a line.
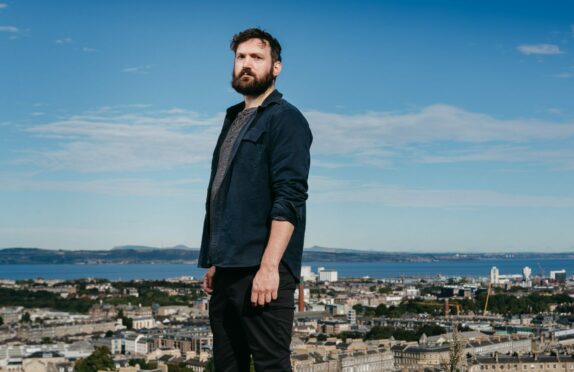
285,108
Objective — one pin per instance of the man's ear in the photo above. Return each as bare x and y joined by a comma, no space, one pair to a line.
276,68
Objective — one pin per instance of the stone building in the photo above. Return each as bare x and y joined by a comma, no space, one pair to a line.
331,355
530,363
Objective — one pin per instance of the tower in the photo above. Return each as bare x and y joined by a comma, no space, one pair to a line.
494,274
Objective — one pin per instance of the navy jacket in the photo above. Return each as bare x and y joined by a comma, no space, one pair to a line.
266,180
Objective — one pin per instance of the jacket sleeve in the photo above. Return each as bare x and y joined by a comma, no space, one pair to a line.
290,143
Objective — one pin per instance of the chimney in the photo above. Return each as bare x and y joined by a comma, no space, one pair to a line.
301,297
446,307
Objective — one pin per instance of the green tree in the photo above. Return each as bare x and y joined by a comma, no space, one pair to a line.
100,359
26,318
321,337
431,330
369,311
385,290
128,322
29,299
381,310
210,366
378,333
1,321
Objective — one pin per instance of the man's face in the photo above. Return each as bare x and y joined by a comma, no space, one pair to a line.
254,71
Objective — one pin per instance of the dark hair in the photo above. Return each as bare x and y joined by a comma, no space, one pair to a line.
256,33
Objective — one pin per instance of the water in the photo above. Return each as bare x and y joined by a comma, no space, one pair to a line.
345,269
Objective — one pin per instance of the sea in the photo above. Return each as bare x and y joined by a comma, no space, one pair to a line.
379,270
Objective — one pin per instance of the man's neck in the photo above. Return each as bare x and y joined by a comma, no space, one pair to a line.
251,101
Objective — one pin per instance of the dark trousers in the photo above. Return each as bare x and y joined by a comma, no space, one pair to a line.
241,330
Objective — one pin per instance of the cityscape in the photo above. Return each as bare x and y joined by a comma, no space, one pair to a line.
502,320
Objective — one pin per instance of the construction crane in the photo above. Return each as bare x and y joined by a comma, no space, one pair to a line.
447,305
541,270
458,308
487,297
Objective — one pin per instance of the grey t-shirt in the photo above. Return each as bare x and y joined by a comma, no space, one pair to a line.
223,163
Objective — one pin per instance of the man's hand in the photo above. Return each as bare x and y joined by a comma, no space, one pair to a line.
207,285
265,285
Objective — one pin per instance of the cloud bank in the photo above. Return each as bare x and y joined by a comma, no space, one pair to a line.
135,138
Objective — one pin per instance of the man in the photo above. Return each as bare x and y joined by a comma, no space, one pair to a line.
255,214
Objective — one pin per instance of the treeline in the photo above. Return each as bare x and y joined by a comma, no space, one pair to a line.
147,291
38,299
408,307
503,304
149,294
508,305
380,333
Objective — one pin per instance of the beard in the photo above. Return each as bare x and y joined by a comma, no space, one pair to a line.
255,86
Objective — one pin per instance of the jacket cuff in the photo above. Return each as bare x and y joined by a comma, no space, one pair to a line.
280,212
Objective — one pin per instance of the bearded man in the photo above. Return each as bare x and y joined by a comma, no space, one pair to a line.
254,224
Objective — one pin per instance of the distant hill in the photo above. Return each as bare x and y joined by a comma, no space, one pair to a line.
316,248
132,254
123,255
143,248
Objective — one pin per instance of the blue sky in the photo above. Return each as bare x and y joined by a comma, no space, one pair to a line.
439,125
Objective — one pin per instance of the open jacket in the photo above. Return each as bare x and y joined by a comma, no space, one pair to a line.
266,180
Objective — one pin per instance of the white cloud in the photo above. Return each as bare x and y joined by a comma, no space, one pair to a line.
554,110
113,141
564,75
142,70
89,50
185,187
377,138
133,138
9,29
3,5
328,190
561,158
542,49
65,40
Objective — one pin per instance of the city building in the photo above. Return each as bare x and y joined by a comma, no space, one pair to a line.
558,275
327,275
352,317
141,322
526,273
529,362
307,275
494,275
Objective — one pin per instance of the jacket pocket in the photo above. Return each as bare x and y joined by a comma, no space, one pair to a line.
251,151
254,135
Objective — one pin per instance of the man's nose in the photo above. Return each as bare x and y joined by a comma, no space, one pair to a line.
247,62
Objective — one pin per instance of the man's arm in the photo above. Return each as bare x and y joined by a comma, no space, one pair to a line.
207,284
290,141
266,281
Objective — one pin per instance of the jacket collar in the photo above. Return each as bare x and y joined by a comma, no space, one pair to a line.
274,97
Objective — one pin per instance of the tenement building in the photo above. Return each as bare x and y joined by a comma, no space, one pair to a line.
529,363
431,355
